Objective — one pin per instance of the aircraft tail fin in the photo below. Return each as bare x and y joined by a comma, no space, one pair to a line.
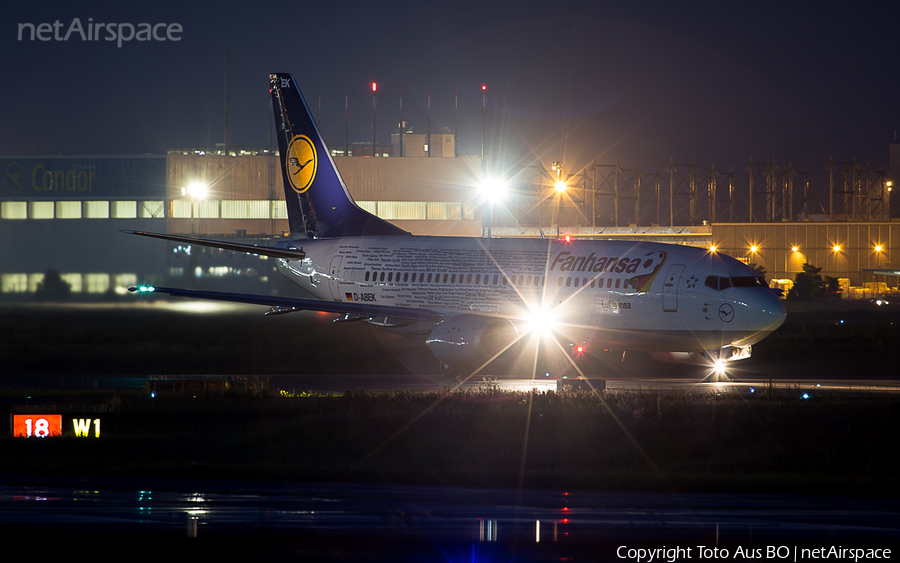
318,203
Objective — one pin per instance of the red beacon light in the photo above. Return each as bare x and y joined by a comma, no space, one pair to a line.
579,349
483,87
568,238
374,86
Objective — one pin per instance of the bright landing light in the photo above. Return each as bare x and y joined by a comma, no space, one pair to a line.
719,366
493,189
540,321
560,187
198,190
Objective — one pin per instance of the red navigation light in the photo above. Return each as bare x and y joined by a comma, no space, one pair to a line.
483,87
568,238
374,86
579,349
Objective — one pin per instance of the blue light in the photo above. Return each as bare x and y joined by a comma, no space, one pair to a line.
547,374
804,396
752,390
152,394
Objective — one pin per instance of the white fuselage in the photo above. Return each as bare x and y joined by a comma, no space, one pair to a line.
621,294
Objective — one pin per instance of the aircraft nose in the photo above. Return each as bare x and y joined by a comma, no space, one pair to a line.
768,310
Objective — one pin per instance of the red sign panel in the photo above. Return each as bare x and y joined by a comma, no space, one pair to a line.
38,425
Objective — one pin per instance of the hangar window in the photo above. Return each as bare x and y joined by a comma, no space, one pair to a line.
68,210
181,209
14,283
96,210
206,209
74,281
96,283
278,210
370,206
124,209
14,210
245,209
444,210
40,209
401,210
33,281
124,281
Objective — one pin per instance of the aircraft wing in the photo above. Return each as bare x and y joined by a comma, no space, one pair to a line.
883,272
290,254
363,310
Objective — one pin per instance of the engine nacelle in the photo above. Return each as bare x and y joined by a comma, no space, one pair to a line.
694,358
471,338
728,353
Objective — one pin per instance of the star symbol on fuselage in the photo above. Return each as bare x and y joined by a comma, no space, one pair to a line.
692,282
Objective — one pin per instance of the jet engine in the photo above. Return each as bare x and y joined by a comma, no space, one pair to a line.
726,353
471,338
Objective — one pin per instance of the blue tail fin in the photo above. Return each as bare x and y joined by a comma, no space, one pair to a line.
318,203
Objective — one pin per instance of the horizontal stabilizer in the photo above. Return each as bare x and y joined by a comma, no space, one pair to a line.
287,253
363,309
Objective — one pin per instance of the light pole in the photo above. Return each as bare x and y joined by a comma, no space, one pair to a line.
492,191
483,111
196,191
560,190
374,104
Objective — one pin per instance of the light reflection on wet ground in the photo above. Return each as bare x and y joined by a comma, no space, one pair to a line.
452,520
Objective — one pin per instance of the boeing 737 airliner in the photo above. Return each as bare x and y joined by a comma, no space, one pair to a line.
472,298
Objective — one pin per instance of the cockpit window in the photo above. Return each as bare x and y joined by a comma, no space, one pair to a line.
717,282
748,281
720,283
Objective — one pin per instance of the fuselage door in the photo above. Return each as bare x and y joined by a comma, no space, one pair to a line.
334,274
670,288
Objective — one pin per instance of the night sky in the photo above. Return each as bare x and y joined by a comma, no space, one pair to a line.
641,82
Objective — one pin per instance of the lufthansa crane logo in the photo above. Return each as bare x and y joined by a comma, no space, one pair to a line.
726,313
301,163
